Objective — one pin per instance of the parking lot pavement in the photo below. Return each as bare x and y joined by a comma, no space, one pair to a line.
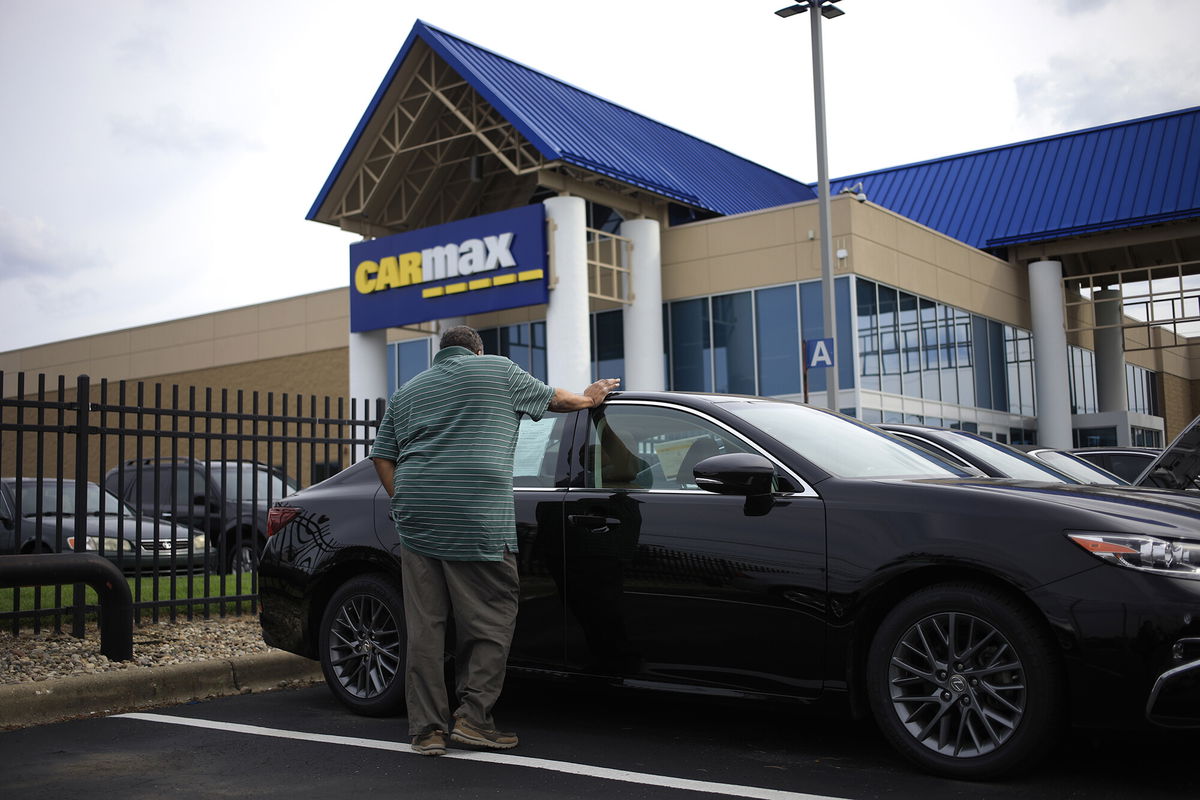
574,745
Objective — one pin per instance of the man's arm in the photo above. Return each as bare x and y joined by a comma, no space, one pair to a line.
386,470
592,396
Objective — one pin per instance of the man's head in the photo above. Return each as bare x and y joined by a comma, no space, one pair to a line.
462,336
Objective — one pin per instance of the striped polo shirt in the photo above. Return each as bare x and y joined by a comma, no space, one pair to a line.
452,431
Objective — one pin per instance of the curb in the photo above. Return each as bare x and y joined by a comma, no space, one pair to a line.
139,688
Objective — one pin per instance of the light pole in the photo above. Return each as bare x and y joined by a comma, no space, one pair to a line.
828,11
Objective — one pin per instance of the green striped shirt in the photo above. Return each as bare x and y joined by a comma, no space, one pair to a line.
452,431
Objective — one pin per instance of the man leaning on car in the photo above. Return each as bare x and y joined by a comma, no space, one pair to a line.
445,453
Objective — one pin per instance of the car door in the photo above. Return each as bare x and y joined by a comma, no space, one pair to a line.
539,488
666,582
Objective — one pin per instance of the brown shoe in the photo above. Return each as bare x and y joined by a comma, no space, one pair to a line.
484,738
430,743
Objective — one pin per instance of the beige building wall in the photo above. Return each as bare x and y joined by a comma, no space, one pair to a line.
284,346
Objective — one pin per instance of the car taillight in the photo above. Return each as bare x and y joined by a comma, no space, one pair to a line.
279,516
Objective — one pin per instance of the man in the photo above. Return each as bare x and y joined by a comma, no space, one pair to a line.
445,453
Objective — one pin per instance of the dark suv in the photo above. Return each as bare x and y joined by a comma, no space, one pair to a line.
228,500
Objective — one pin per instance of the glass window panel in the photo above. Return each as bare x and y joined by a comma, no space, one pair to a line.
733,343
910,345
778,323
412,358
889,339
868,334
537,350
609,345
691,350
812,323
845,333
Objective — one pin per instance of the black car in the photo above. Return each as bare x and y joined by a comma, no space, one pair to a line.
35,517
1078,468
1127,462
742,547
228,500
971,451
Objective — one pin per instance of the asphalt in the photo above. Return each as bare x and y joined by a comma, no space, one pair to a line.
141,688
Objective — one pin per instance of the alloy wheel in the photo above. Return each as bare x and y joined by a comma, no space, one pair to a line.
365,646
957,685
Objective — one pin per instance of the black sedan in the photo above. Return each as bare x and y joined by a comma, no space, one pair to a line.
976,453
38,516
743,547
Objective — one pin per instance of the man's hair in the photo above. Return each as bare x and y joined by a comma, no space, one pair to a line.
462,336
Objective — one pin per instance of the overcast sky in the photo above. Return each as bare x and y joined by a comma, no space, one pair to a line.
159,156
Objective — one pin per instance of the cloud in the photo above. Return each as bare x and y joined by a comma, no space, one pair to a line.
1078,92
168,130
146,47
1073,7
27,247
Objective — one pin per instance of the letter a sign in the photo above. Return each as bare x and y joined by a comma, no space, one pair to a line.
819,353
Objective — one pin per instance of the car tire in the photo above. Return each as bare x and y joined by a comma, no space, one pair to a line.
362,646
242,552
964,681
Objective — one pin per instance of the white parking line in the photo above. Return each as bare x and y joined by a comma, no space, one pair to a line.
586,770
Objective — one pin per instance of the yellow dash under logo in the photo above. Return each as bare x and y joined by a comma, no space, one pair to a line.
529,275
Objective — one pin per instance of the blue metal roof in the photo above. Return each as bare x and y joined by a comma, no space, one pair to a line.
1113,176
568,124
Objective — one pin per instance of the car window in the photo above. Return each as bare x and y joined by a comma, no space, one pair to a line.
536,459
187,484
1128,465
647,447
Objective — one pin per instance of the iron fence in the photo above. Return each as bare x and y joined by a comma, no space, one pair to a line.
173,485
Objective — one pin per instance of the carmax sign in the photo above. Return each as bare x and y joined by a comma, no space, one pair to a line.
471,266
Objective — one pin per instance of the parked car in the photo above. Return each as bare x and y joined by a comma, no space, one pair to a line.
966,449
1078,468
1127,462
1175,467
35,518
743,547
228,500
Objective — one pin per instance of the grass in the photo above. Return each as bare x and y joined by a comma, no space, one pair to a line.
168,592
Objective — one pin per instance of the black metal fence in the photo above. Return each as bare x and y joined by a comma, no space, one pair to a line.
173,485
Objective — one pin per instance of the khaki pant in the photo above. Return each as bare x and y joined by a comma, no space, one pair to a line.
482,595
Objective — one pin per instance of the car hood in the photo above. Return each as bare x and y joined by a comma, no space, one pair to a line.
1123,508
1179,465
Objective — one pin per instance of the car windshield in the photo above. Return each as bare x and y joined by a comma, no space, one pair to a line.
1012,463
50,499
839,445
1079,468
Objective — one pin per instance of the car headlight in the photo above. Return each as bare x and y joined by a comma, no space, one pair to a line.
112,544
1147,553
199,542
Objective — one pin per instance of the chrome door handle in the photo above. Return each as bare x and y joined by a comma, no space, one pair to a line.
595,524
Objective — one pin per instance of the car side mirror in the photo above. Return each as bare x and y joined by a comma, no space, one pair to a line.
745,474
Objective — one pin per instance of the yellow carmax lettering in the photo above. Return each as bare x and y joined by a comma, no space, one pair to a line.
364,277
389,273
410,268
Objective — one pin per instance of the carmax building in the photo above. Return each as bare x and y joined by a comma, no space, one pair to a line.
1040,291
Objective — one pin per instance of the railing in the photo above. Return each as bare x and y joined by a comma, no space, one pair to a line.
171,485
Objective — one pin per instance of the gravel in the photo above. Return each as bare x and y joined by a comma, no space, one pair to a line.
48,655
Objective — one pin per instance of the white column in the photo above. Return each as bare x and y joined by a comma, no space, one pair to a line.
643,326
1110,352
1051,375
368,365
568,333
368,378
